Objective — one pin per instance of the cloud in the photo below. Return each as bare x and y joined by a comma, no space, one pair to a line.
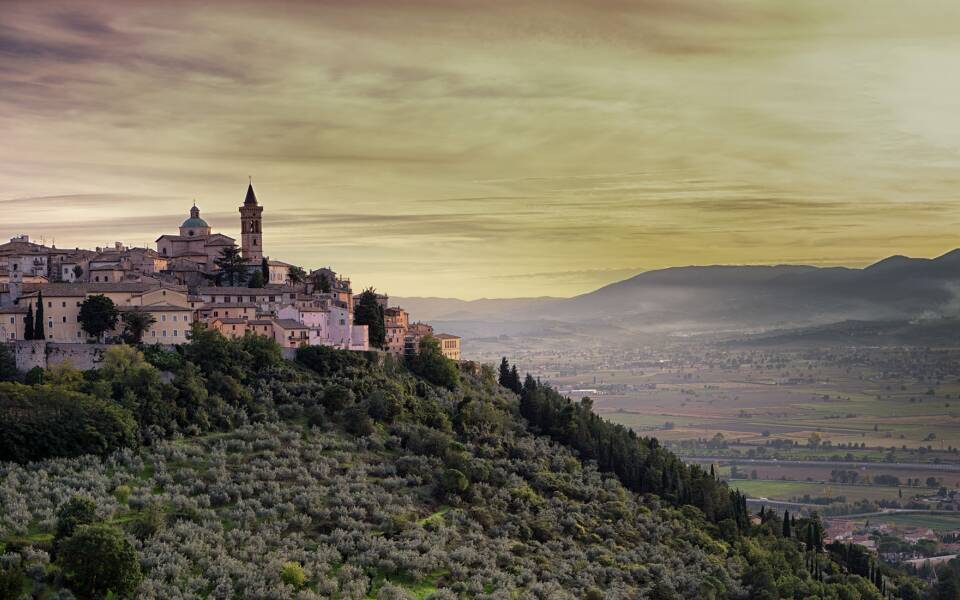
520,147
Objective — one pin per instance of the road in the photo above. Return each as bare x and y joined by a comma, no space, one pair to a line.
945,467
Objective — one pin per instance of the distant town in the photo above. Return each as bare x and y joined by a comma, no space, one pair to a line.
196,275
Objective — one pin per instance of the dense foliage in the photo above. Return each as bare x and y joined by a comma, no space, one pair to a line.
640,463
41,421
430,363
369,312
346,476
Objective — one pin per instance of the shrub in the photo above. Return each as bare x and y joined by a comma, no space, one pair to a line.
11,582
454,482
337,397
432,365
49,421
291,573
77,511
97,559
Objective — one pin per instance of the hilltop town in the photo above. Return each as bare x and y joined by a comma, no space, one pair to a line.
196,275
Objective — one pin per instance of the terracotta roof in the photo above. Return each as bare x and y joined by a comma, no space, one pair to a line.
9,310
289,324
158,307
446,336
230,320
216,305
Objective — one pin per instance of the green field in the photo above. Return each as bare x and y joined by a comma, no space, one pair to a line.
937,522
789,490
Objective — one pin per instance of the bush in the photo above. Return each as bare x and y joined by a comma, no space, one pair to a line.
77,511
291,573
11,582
97,559
357,421
50,421
337,397
432,365
454,482
149,522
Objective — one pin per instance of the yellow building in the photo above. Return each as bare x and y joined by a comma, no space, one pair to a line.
449,345
11,322
290,334
230,327
61,306
171,323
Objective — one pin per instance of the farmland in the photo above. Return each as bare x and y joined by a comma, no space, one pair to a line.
795,422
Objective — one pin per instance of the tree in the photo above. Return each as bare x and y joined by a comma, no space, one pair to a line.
430,363
231,264
786,523
515,384
504,377
296,275
137,322
39,332
454,481
8,364
28,323
370,313
322,282
265,269
291,573
97,559
98,315
77,511
77,272
256,280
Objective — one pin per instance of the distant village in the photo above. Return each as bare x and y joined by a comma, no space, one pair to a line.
194,275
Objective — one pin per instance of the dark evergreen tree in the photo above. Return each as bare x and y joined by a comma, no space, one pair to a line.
232,266
504,377
786,523
369,312
265,269
28,323
515,384
39,331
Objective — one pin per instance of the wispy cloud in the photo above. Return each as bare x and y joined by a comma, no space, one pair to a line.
521,147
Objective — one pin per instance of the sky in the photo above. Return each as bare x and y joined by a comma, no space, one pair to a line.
489,149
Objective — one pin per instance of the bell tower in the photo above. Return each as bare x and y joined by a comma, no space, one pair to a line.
251,238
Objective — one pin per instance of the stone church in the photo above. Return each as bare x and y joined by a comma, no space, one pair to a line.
192,252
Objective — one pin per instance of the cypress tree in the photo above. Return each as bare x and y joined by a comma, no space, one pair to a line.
504,378
39,333
786,523
28,323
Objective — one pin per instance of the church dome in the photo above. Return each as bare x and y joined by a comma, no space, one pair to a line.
194,225
195,222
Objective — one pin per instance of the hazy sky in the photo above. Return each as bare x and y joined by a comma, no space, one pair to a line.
448,148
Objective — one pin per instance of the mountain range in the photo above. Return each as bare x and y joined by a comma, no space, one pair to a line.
717,298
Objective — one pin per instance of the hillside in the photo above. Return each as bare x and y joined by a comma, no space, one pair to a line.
347,476
718,298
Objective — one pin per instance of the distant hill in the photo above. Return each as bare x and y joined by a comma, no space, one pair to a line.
721,297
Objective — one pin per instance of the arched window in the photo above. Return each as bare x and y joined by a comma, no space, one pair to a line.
190,233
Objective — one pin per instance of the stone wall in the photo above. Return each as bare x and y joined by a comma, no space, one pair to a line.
43,354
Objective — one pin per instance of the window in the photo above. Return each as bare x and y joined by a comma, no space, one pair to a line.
164,333
163,317
153,334
78,334
49,304
64,318
174,333
63,304
13,320
50,324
